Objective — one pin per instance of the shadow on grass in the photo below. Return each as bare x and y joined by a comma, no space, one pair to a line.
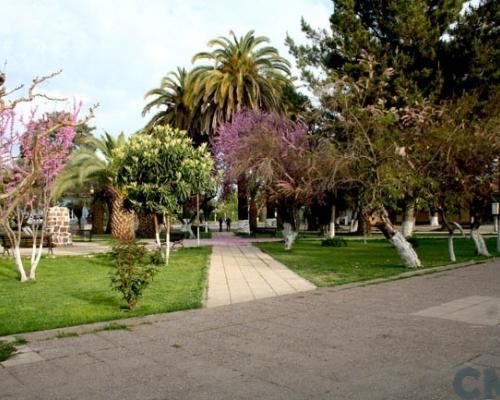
98,298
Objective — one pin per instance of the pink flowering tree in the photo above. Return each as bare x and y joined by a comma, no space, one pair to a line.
33,151
279,158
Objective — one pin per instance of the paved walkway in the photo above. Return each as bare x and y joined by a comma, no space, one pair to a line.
242,272
405,339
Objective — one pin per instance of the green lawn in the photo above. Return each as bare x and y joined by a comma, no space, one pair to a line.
77,290
330,266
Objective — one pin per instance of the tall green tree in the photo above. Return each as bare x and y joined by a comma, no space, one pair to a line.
471,60
405,35
174,99
243,73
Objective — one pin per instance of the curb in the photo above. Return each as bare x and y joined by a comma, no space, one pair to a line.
410,274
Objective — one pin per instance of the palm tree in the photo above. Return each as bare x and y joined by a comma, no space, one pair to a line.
245,74
173,94
93,165
179,106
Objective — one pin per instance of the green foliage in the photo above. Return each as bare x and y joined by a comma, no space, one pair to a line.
334,242
405,35
19,341
161,170
7,349
173,95
245,73
472,59
113,326
62,335
135,269
92,165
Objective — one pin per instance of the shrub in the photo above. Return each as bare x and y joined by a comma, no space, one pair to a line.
135,269
6,350
334,242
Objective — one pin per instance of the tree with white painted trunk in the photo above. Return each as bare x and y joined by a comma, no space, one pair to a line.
160,170
462,169
451,227
373,147
33,151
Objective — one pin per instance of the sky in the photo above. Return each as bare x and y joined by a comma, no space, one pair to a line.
112,52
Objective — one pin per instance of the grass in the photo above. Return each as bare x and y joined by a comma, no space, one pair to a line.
7,349
63,335
113,326
331,266
77,290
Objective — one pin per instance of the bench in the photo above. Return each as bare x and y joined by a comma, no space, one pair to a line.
270,229
27,242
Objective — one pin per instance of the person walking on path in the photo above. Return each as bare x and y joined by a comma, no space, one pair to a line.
228,224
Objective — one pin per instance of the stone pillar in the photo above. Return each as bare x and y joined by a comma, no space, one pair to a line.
58,225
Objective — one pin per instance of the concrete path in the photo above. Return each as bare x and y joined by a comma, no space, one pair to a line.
76,249
243,273
409,339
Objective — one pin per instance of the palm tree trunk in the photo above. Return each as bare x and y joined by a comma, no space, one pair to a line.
98,217
122,221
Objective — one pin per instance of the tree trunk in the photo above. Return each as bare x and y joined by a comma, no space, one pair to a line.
380,219
408,221
243,222
478,239
290,226
146,225
109,205
331,231
166,219
270,214
16,252
451,226
122,221
364,225
451,248
290,235
97,217
157,230
36,259
434,220
279,216
253,214
187,227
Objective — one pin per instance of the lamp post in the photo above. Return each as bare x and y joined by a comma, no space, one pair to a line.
495,211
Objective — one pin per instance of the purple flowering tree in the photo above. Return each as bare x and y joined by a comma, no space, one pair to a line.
33,151
277,157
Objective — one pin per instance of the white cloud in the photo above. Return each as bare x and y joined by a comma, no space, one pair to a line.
113,51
